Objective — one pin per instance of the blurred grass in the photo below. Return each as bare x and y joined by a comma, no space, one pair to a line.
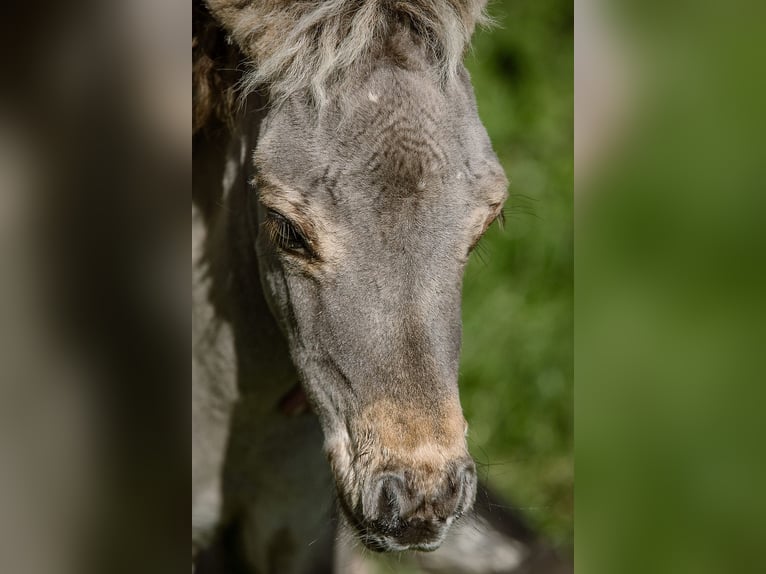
517,362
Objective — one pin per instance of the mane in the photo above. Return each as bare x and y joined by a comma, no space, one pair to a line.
307,45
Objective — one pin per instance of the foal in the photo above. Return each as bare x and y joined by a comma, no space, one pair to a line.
332,220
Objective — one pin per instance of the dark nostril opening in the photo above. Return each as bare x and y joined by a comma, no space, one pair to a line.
389,499
384,502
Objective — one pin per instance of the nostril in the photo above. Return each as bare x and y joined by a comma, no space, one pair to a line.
416,510
458,494
384,501
389,499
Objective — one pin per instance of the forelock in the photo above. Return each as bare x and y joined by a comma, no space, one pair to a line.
307,46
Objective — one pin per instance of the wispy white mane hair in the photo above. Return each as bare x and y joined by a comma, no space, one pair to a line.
299,45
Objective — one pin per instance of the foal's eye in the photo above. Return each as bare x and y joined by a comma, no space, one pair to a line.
498,215
286,235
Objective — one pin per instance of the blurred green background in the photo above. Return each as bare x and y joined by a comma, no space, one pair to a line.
671,285
517,362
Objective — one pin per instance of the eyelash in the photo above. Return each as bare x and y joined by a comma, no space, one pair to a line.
286,235
499,219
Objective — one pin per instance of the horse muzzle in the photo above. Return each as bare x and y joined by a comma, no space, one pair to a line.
408,509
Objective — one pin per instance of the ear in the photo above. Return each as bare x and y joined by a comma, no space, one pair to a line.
214,72
254,25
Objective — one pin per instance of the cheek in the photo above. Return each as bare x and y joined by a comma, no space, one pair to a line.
276,294
292,301
277,285
274,285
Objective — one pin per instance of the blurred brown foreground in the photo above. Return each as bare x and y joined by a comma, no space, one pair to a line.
94,164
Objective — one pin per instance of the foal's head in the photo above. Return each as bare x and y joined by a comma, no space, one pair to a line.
368,208
374,179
